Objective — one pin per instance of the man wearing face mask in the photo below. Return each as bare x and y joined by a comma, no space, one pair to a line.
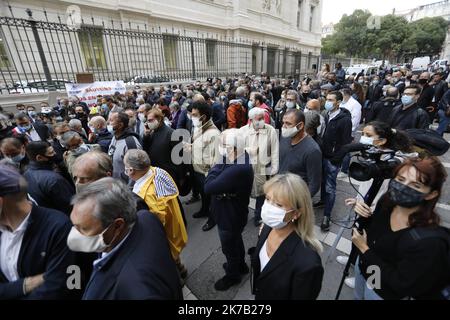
229,183
99,133
156,187
105,221
292,100
48,188
33,132
158,144
257,101
34,254
76,147
14,149
203,150
262,145
305,92
83,117
299,153
338,132
124,139
409,115
32,114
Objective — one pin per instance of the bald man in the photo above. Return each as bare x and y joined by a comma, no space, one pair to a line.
314,105
99,134
398,81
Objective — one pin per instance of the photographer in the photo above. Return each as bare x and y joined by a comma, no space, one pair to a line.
383,137
403,240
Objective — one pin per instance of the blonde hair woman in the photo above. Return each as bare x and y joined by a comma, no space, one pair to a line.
286,264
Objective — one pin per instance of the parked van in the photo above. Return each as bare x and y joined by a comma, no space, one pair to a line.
420,64
438,64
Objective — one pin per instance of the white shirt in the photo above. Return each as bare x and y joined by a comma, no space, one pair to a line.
141,181
263,256
33,135
10,244
355,109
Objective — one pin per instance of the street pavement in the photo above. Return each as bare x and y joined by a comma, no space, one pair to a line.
203,256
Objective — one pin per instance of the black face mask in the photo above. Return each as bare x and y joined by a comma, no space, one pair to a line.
423,81
404,196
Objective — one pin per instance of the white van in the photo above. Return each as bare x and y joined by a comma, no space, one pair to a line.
439,64
420,64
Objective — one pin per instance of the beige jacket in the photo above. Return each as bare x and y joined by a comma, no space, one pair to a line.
205,147
263,148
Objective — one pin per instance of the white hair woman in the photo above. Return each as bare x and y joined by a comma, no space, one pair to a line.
286,263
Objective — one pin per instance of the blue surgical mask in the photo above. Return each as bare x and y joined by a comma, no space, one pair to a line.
110,129
407,100
25,128
250,104
18,158
329,106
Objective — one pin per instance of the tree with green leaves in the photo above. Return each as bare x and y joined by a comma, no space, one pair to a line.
394,38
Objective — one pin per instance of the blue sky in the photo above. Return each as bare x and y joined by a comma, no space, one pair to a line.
334,9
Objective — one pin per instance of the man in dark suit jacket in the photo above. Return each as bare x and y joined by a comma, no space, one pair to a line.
135,261
230,184
47,187
33,131
38,269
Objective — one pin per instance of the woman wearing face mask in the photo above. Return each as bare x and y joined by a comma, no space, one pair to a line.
403,241
286,264
383,137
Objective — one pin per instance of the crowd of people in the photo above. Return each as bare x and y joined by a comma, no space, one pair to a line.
99,186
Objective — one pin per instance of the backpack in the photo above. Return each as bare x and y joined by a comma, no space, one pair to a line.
440,233
429,140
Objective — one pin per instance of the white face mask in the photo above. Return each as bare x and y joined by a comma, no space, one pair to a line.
289,132
273,216
366,140
78,242
152,125
258,124
196,122
290,105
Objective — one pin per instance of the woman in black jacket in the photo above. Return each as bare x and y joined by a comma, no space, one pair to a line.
396,260
285,263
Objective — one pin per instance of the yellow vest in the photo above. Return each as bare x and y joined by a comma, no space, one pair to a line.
160,193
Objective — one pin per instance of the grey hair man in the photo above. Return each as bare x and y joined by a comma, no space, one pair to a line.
105,220
262,145
77,126
75,145
157,188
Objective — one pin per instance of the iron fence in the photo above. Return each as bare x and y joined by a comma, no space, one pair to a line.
40,55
